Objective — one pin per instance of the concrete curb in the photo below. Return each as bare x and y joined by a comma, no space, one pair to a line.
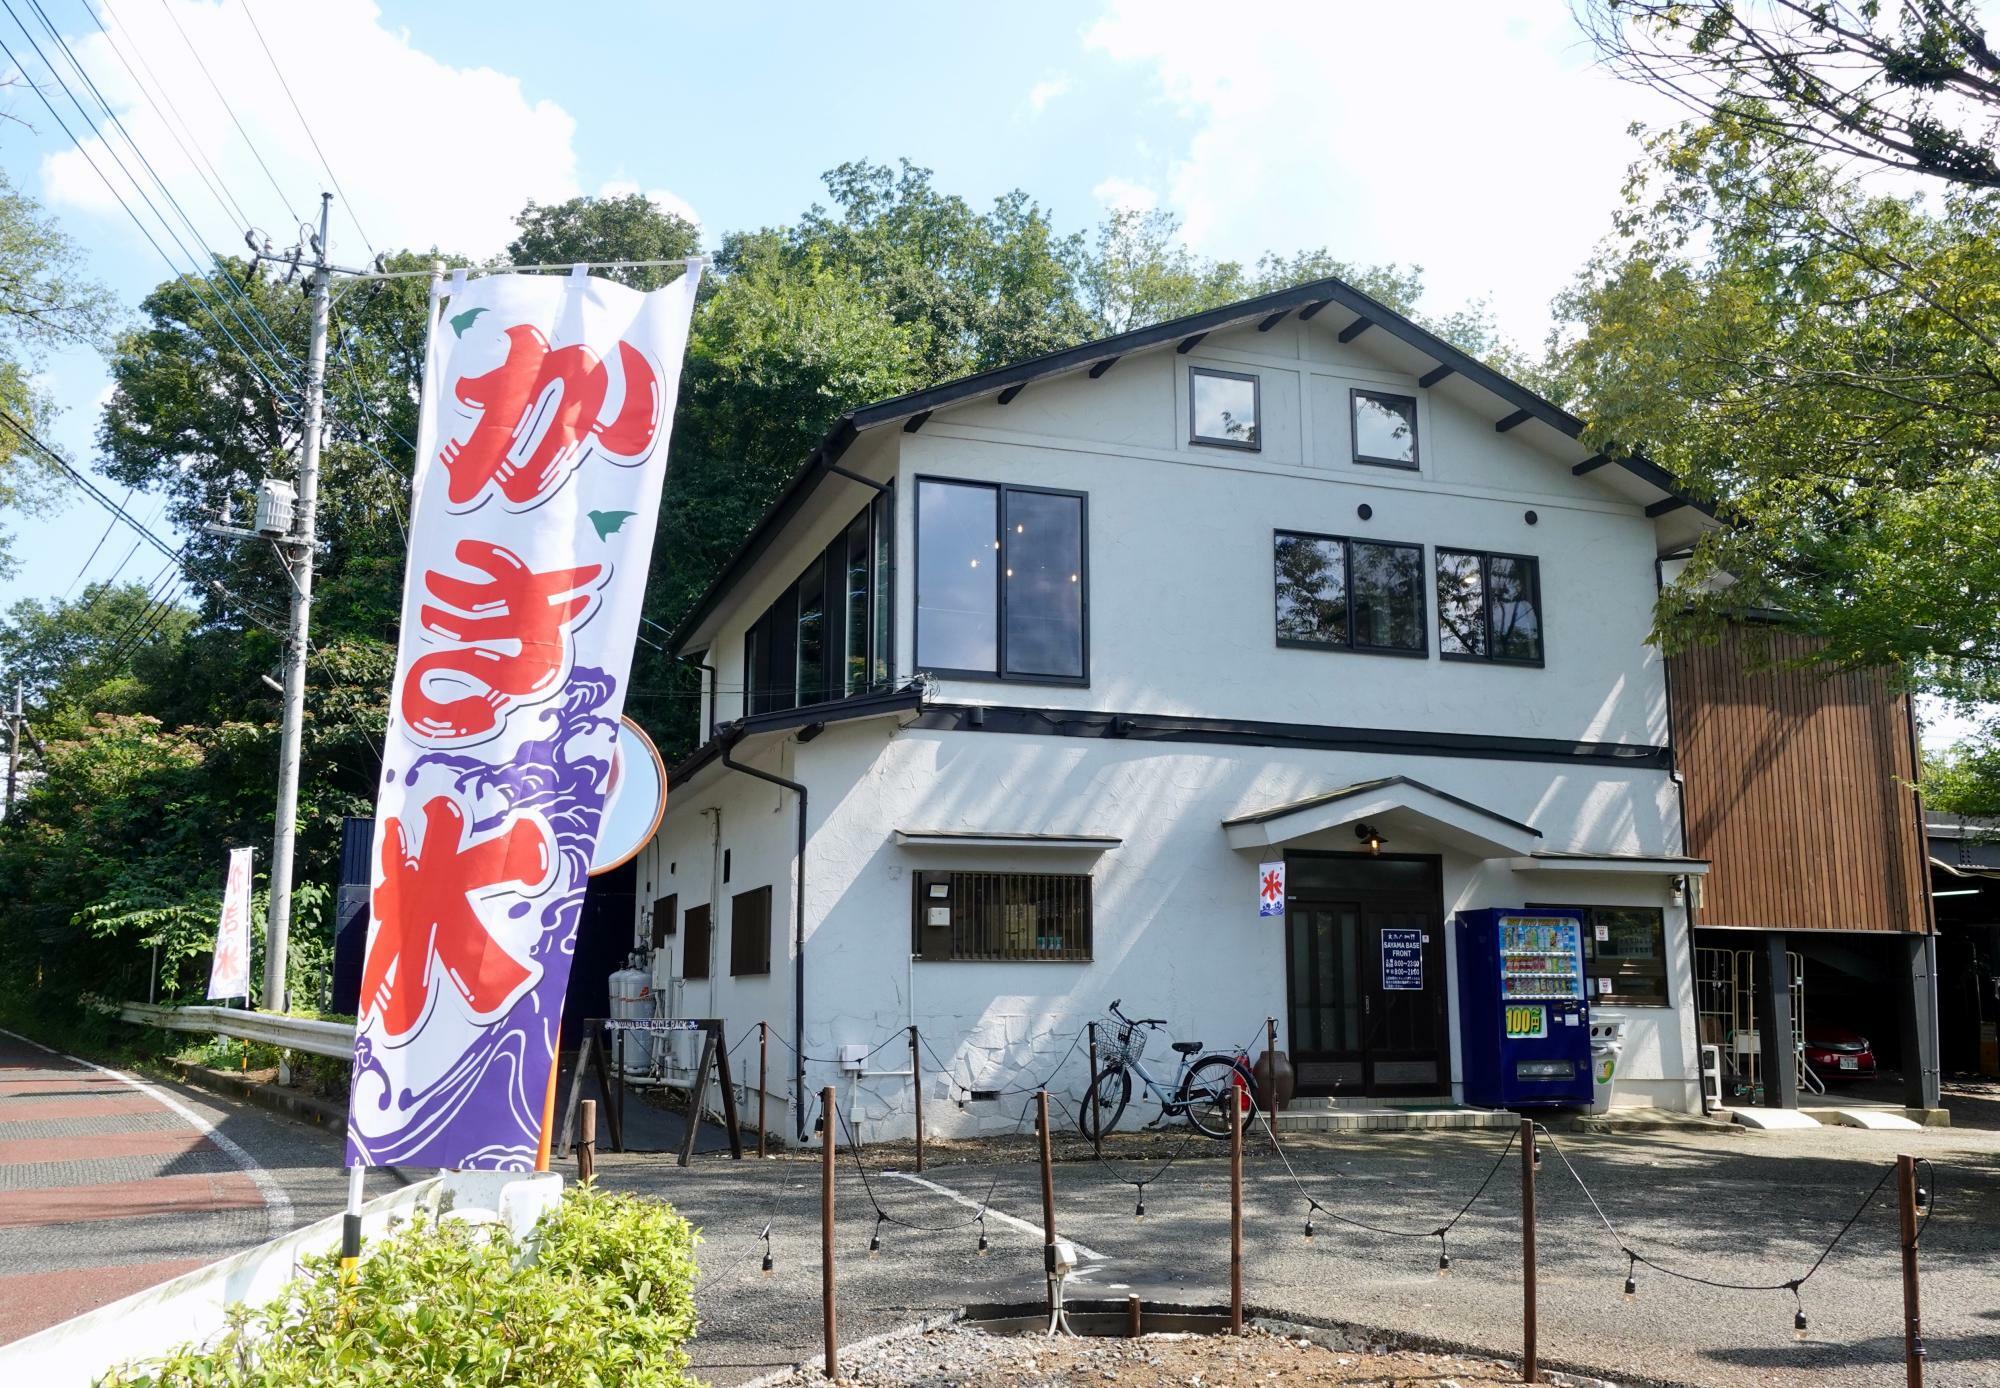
288,1102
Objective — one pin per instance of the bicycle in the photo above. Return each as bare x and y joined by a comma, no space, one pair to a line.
1202,1090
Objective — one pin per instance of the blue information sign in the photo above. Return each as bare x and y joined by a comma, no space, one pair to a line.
1403,961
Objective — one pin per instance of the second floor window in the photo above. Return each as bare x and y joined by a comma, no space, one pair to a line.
1359,595
828,635
1001,587
1489,606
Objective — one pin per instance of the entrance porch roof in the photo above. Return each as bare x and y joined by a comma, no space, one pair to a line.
1389,803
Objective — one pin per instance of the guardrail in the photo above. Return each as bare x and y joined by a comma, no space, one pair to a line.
308,1034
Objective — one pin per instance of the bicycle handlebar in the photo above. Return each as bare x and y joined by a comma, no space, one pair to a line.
1135,1021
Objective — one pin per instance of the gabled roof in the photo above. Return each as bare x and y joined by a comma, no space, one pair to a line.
1396,800
1268,310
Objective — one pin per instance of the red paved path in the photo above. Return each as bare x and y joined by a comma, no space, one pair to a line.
79,1147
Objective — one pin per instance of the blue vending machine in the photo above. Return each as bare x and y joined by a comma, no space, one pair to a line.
1524,1026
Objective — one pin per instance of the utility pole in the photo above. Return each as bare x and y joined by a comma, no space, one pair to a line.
299,566
14,721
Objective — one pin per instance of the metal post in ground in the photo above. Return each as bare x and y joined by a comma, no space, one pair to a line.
586,1146
297,551
1271,1064
1236,1096
1913,1320
827,1144
1096,1114
1048,1196
1528,1371
917,1086
763,1080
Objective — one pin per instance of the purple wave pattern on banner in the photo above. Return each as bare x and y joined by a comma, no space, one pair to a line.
485,1110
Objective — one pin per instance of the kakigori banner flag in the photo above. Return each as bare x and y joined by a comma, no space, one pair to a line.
541,451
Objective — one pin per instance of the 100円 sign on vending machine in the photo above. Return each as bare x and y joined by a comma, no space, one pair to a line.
540,458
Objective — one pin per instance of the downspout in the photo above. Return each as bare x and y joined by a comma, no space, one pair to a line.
799,940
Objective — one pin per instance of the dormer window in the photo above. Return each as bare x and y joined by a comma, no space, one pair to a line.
1385,429
1222,409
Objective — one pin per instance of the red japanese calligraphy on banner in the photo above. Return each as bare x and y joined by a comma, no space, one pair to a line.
541,453
537,411
509,640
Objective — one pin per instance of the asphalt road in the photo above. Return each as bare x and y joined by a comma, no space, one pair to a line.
1738,1207
111,1183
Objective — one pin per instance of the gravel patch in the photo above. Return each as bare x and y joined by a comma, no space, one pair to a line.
965,1357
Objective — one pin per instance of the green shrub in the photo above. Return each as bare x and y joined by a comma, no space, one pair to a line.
609,1300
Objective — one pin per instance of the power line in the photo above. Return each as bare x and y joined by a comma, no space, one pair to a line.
144,230
346,201
283,201
196,158
269,341
109,526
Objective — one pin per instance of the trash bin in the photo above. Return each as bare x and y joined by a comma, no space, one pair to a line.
1607,1043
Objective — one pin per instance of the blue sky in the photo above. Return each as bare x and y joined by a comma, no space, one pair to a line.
1476,139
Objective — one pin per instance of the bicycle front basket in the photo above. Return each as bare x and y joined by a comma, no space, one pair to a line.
1119,1044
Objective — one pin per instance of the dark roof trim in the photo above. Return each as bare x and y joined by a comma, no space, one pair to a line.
1309,298
907,699
1369,787
1238,732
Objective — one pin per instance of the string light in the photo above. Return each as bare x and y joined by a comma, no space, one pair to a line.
875,1239
1923,1198
983,1247
1139,1210
769,1266
1311,1205
1632,1277
1799,1324
1444,1258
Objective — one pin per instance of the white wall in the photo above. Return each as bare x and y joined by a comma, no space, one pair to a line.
1176,928
1180,547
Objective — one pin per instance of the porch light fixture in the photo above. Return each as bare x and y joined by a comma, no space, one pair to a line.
1371,838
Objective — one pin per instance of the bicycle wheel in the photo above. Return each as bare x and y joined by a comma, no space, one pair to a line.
1209,1090
1114,1091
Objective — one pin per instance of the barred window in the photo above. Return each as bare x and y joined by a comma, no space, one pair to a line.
1002,916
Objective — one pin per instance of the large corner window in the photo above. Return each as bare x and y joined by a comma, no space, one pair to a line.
1385,429
750,933
1002,916
1001,582
828,635
1347,594
1625,953
1489,607
1222,409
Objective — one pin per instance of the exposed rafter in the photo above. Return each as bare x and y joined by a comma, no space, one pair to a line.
1102,367
1513,421
1273,320
1310,309
1188,344
916,422
1434,375
1666,504
1591,464
1356,328
1007,395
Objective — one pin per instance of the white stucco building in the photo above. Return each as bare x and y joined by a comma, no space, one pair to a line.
1061,653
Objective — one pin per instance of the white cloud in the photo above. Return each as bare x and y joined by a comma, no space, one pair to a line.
1123,195
430,154
1047,90
664,199
1486,148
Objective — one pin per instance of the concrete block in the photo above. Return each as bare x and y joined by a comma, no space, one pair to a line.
1772,1118
1879,1120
